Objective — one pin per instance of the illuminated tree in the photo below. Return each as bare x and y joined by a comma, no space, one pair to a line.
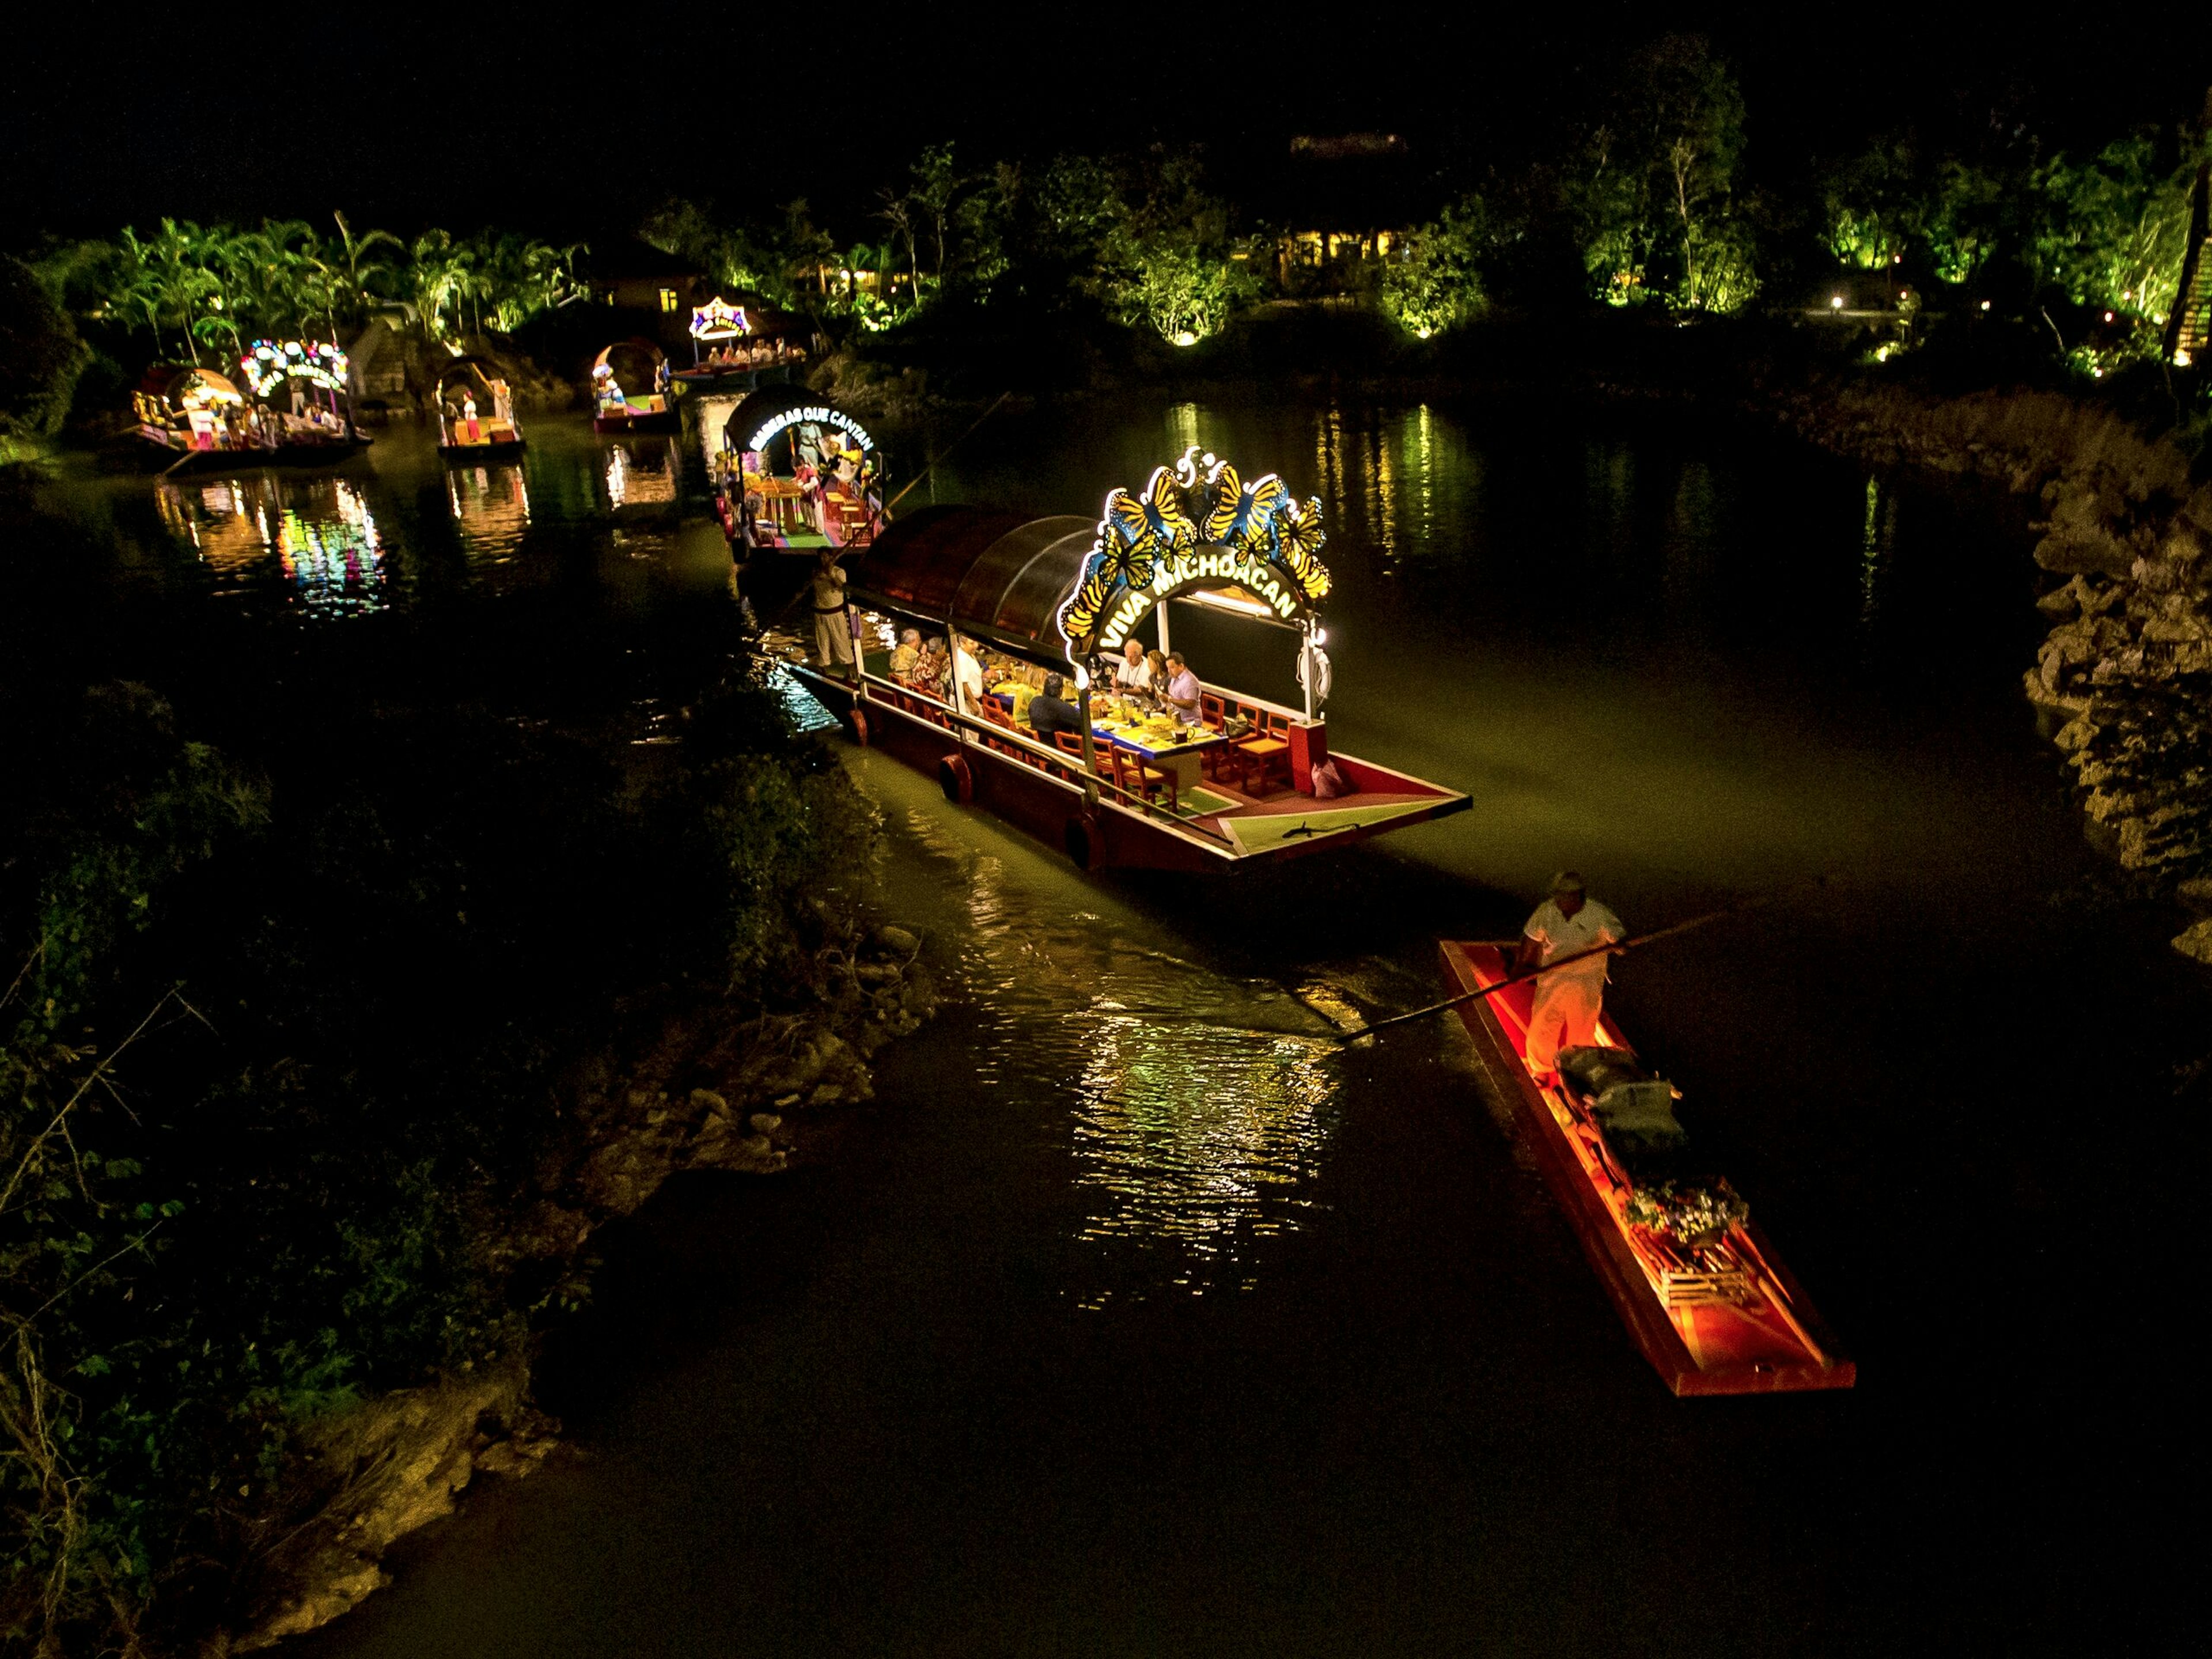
2113,230
1654,199
1438,283
1873,207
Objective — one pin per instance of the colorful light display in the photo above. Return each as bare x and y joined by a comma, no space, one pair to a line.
268,364
1197,525
719,320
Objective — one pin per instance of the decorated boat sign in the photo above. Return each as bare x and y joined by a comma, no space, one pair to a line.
1197,525
718,319
268,364
811,415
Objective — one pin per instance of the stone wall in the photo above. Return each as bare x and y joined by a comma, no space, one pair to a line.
2125,673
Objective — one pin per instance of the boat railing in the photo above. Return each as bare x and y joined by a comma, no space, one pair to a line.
1000,740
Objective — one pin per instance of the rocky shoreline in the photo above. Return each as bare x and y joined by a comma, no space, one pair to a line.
708,1094
2125,677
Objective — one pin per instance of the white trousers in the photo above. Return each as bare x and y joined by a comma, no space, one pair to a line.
833,637
1564,1016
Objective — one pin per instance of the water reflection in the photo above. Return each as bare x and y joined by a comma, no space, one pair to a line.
1198,1108
642,474
492,506
318,533
1875,540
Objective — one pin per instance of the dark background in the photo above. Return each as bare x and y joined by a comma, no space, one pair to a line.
570,121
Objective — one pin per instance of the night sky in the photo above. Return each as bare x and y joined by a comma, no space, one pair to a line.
569,121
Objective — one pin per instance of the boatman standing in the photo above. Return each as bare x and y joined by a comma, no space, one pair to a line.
1564,1014
833,634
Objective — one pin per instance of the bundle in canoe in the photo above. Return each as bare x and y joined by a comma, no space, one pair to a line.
1722,1316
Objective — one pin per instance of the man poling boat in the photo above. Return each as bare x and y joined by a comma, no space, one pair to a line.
1521,975
1565,938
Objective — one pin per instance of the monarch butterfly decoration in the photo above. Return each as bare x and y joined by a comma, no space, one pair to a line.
1155,520
1299,539
1079,617
1240,512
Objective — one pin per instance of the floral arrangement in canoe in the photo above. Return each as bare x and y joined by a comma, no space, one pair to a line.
1692,1213
1199,501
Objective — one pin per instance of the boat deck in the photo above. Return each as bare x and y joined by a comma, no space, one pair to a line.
1044,791
1727,1320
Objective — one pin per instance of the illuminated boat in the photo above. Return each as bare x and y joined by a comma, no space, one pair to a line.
796,474
304,401
618,409
730,354
1249,783
188,419
476,413
1711,1305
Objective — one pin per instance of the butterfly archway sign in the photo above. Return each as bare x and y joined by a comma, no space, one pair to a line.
1196,524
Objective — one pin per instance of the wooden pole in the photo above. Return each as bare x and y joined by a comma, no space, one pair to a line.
1579,956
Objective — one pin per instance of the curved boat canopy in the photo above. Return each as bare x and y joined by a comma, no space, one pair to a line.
636,346
485,371
764,414
997,575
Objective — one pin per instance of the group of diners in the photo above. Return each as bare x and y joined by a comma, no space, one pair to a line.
1155,681
955,670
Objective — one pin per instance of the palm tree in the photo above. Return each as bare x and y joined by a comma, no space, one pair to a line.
360,266
177,279
435,271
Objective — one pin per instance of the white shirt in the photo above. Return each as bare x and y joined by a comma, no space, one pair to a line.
967,678
1133,676
1563,936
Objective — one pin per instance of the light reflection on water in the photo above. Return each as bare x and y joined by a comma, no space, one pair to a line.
642,474
318,530
492,506
1199,1108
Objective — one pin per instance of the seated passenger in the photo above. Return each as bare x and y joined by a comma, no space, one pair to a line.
1131,677
1049,712
906,654
1182,690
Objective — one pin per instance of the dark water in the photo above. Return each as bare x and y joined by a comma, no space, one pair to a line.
1133,1318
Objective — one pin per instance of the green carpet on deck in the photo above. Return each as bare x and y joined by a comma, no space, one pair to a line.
1258,834
1197,803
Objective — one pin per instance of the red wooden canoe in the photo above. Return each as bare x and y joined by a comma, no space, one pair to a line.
1733,1321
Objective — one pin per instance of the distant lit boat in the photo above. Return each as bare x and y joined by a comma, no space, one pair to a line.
730,352
618,409
1249,782
188,419
476,413
796,474
1713,1308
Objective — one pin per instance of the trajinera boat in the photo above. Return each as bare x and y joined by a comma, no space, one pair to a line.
796,474
476,412
1699,1287
294,409
1135,785
644,405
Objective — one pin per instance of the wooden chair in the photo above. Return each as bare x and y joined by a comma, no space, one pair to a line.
1213,713
1267,751
1069,744
1132,776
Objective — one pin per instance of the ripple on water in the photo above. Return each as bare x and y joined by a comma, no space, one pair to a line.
1196,1122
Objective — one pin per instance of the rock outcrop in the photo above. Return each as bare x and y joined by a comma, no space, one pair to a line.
2125,673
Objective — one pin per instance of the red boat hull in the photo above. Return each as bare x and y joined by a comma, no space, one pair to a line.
1044,802
1774,1342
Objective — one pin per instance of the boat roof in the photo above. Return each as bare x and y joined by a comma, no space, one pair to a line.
998,575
